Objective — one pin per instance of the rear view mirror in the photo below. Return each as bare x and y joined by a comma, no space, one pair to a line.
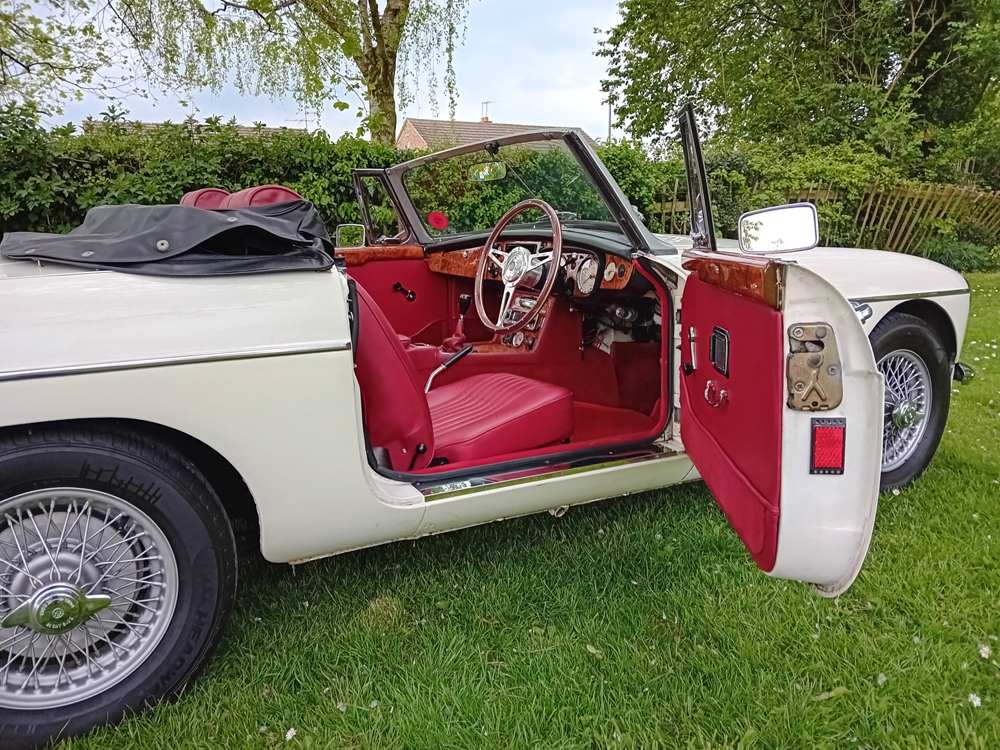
779,229
488,171
349,235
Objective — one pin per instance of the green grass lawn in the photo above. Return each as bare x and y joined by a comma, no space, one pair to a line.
637,622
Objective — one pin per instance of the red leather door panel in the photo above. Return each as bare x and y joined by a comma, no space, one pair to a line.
735,443
426,318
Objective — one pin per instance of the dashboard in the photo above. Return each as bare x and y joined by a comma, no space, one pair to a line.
582,273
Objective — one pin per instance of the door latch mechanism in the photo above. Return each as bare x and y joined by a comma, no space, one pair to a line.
815,379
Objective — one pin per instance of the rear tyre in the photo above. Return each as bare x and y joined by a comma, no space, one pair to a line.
117,576
917,371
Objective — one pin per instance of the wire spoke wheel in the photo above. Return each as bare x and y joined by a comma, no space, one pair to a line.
908,393
88,587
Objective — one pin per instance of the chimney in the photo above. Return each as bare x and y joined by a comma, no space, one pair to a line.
484,119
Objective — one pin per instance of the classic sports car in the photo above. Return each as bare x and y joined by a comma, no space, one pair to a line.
510,339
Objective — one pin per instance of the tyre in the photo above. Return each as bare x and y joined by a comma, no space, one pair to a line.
117,576
917,370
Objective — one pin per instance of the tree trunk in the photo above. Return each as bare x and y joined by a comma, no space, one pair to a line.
382,111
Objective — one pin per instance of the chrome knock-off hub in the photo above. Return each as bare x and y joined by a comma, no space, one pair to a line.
516,265
906,414
55,609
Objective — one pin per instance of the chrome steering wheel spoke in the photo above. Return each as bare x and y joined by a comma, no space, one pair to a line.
506,302
539,259
518,267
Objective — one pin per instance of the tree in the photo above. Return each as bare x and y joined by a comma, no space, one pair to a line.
53,50
315,49
891,72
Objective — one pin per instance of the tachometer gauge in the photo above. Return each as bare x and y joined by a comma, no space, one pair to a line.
586,276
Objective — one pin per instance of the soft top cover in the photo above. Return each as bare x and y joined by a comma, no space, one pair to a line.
179,240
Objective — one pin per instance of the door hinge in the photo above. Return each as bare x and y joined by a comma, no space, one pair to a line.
815,378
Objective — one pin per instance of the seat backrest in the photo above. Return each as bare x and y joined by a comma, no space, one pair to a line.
261,195
205,198
395,407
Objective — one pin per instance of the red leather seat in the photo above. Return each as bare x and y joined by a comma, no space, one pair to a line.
205,198
261,195
497,413
476,418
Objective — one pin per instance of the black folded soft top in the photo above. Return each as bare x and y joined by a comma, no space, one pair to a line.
179,240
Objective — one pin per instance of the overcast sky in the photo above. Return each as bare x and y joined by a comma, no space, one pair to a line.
534,59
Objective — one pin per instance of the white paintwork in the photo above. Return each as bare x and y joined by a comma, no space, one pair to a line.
826,521
291,425
288,425
859,274
77,318
568,489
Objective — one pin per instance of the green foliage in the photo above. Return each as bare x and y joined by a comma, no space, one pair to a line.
961,255
893,75
551,174
50,178
319,51
640,178
54,50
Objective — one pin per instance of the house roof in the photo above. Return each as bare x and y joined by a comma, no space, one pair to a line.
419,134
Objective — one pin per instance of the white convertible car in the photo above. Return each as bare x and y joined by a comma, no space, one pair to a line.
176,382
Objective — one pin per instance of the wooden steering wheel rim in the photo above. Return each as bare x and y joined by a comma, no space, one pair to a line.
550,279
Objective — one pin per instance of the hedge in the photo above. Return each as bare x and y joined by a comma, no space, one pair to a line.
50,177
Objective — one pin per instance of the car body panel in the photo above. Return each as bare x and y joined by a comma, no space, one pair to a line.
89,319
259,368
883,280
826,522
823,521
554,490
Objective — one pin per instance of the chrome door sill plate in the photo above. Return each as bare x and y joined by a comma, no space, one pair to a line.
441,491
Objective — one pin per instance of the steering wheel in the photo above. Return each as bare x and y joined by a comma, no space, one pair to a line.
517,267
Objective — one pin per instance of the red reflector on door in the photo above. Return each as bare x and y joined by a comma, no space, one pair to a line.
828,446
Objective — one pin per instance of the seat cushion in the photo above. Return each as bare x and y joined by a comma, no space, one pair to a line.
497,413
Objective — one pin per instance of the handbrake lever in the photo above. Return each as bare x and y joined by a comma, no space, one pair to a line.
448,363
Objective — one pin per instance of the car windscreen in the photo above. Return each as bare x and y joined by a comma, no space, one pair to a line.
470,192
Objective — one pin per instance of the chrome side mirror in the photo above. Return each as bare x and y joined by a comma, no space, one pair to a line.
349,235
779,229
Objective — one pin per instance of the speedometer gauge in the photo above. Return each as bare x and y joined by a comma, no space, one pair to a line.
586,276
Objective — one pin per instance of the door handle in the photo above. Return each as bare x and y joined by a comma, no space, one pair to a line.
689,367
714,395
408,293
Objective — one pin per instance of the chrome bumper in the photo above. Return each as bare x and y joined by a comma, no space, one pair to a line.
963,373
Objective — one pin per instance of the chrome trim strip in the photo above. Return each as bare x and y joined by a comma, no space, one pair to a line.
184,359
472,486
919,295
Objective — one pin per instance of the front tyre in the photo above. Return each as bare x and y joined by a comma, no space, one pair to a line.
117,575
917,372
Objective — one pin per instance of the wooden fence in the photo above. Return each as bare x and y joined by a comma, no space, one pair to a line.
889,217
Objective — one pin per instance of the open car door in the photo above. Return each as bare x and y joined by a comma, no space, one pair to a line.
781,403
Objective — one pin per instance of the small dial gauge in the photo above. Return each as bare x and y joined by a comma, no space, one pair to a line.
586,276
610,271
518,338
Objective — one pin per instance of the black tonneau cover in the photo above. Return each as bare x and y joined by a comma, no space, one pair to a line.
186,241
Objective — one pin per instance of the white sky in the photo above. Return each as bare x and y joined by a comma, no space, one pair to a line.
533,58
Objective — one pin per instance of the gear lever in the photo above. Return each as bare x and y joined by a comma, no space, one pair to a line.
454,342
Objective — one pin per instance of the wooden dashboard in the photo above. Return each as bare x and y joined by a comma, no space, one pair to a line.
613,273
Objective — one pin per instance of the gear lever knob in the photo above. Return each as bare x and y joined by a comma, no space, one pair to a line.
464,301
